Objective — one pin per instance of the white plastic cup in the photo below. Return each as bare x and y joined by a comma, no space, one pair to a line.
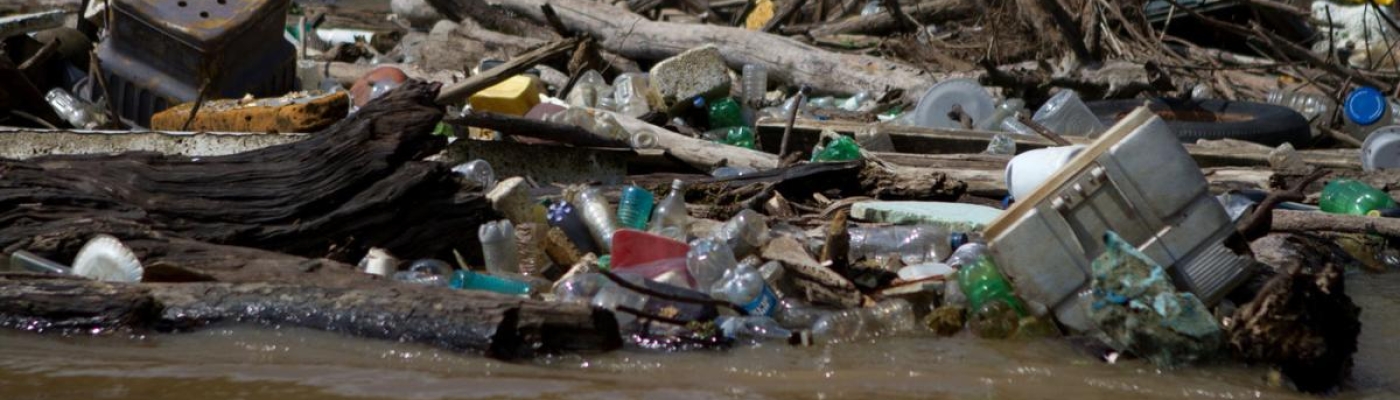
1028,171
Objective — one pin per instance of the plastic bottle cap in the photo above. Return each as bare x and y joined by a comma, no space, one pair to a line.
1365,105
957,239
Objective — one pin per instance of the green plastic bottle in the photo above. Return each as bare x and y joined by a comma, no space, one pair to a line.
1350,197
741,136
726,113
994,311
843,148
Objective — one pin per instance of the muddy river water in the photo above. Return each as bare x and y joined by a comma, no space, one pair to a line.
249,362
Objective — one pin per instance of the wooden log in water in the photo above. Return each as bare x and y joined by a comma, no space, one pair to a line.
500,326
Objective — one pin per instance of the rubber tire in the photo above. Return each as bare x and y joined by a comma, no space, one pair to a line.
1266,124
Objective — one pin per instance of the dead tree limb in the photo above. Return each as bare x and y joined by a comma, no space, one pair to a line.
459,92
787,60
1304,222
500,326
881,23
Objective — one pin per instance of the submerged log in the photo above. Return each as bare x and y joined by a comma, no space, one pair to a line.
500,326
354,185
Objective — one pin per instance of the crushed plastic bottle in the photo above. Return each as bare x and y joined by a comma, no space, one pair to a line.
1001,144
745,287
708,260
471,280
634,208
755,83
626,303
498,247
77,112
579,288
597,216
427,272
745,232
1311,105
478,171
670,219
740,136
888,317
861,101
753,329
842,148
994,311
725,113
915,244
1350,197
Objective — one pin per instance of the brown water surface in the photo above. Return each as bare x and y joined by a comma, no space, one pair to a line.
245,362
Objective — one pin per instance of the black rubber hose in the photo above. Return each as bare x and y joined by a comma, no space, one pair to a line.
1211,119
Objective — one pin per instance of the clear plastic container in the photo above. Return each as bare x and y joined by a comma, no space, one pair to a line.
1001,144
498,247
634,208
755,83
888,317
630,94
752,328
1005,109
580,288
670,218
478,171
589,88
427,272
1067,115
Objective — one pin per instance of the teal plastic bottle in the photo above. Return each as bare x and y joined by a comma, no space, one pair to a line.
1350,197
472,280
634,208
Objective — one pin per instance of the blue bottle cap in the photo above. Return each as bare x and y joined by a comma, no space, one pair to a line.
698,102
957,239
1365,105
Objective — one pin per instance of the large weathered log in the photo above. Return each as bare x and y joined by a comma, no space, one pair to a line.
787,60
1305,222
352,186
500,326
926,12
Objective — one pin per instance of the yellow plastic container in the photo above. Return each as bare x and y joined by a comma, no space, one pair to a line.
514,96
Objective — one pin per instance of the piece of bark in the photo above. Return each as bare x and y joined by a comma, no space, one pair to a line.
501,326
787,60
355,185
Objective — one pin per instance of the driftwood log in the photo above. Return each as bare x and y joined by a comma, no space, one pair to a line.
787,60
500,326
355,185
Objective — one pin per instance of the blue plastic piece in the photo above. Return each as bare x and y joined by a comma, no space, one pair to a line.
1365,105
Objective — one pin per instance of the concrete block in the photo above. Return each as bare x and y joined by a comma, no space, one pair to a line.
696,72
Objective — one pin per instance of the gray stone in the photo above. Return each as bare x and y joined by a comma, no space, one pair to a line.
957,217
418,13
696,72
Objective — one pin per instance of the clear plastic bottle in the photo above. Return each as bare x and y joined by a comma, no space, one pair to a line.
1311,105
564,216
478,171
634,208
861,101
77,112
755,83
614,297
745,232
914,244
498,247
708,260
753,328
775,274
1005,109
670,218
579,288
597,216
745,287
590,87
427,271
888,317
